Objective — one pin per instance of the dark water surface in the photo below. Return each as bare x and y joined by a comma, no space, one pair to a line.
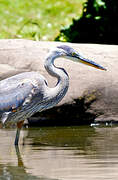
60,153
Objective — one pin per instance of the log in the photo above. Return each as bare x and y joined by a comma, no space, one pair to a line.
92,95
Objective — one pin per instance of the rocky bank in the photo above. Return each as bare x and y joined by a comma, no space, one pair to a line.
92,95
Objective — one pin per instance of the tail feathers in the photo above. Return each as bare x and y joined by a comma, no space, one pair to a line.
4,117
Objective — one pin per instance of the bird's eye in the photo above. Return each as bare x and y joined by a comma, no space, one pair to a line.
73,53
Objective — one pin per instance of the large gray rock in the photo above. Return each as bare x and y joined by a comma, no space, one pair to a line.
92,94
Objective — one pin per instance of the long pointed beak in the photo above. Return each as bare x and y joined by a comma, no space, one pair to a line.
90,63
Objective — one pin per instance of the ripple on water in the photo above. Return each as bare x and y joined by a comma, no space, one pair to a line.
60,153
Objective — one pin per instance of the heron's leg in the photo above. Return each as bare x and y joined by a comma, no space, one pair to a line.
19,126
20,161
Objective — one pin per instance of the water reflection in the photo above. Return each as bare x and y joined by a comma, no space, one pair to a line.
17,172
60,153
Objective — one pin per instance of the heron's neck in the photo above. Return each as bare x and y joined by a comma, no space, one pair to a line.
59,91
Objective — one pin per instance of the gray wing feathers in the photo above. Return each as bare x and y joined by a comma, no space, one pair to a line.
4,117
14,98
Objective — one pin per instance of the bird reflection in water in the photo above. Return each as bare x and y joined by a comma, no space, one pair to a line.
18,172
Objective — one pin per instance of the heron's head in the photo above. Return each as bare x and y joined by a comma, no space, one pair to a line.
72,54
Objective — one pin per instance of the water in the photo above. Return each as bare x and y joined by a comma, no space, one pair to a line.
60,153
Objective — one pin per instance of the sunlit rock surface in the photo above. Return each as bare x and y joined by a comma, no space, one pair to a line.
92,95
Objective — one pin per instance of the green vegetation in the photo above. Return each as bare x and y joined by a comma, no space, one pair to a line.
36,19
98,24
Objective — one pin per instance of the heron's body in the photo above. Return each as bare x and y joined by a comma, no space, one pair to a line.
24,94
21,97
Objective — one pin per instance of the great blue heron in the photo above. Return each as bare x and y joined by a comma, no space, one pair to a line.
24,94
